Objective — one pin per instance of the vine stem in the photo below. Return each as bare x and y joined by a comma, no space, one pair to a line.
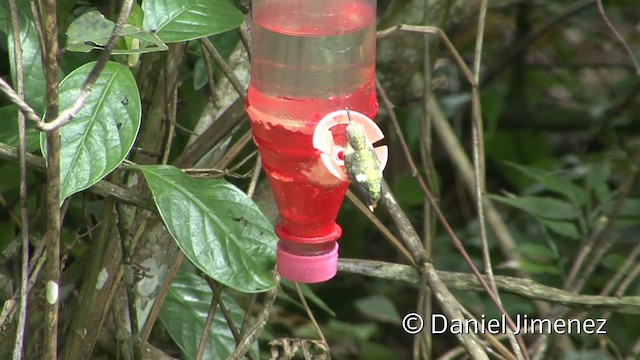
618,37
68,114
24,209
53,216
477,134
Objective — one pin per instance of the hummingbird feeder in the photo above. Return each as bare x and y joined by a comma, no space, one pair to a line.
311,60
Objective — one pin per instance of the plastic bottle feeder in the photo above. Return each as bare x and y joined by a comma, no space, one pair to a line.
311,60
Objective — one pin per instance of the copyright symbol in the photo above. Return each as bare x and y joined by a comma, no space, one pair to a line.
412,323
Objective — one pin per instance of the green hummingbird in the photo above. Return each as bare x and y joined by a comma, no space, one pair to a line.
362,165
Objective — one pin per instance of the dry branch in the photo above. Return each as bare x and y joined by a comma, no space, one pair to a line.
522,287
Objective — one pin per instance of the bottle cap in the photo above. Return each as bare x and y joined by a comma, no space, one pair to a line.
307,269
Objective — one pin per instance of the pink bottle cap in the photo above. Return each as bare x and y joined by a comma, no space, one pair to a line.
307,269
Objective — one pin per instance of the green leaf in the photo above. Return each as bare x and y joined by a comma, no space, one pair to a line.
554,183
34,82
537,251
91,31
308,294
532,267
541,207
614,262
375,351
184,313
9,129
597,177
564,228
101,135
379,308
184,20
217,227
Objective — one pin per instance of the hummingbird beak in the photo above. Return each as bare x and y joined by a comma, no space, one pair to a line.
348,113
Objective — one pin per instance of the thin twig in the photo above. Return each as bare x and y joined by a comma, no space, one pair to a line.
618,37
392,239
232,327
477,134
211,82
233,79
24,207
215,298
73,110
435,31
519,47
310,314
627,280
622,270
102,188
124,224
27,110
255,331
170,114
255,175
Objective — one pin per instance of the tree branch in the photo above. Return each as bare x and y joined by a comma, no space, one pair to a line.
525,288
102,188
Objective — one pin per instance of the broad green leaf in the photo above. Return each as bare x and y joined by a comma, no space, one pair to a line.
217,227
532,267
9,129
541,207
92,30
96,141
629,212
34,82
554,183
184,20
537,251
184,313
564,228
379,308
597,177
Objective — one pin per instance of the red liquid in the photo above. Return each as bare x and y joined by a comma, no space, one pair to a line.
301,71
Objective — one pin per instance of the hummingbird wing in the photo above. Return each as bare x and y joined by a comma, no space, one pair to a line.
365,175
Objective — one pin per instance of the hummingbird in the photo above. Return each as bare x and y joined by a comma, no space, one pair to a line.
362,165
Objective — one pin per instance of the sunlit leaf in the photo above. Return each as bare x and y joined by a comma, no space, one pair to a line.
91,31
184,20
217,227
101,135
